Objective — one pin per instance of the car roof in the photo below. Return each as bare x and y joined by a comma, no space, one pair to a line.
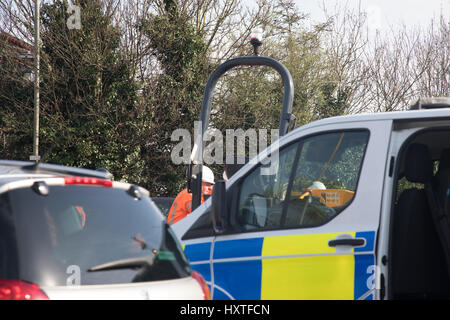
11,170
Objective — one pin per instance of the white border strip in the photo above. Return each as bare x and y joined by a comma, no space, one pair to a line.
253,258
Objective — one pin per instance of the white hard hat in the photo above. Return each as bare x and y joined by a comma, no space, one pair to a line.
317,185
207,175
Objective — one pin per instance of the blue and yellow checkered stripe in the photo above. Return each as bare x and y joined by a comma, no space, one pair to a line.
285,267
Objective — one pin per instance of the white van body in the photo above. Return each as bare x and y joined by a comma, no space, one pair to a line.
349,255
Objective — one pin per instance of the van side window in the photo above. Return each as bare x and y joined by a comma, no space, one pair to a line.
326,177
316,179
263,192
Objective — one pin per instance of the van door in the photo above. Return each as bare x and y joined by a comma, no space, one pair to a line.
308,230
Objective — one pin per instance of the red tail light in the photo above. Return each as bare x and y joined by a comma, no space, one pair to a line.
197,276
88,181
20,290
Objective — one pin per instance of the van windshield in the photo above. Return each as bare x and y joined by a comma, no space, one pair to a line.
53,240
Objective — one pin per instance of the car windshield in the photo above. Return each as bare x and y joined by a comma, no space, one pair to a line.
53,240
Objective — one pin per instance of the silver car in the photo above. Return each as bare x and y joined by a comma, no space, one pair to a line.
68,233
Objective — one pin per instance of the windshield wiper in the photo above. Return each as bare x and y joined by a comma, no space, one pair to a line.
130,263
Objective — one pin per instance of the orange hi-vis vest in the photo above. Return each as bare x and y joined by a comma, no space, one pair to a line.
181,207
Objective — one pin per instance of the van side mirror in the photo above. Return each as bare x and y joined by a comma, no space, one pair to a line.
189,178
194,183
219,206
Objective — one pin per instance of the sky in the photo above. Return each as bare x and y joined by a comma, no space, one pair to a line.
386,12
383,13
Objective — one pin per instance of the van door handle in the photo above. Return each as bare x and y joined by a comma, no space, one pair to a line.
346,240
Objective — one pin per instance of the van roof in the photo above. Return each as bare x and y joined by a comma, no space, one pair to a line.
422,114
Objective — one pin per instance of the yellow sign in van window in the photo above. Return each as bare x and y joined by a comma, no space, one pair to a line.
333,197
329,197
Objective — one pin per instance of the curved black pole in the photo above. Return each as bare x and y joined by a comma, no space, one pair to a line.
286,113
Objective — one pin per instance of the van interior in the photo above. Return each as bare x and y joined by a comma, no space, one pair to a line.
419,254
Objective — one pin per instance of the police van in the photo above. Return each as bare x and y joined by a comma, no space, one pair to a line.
349,207
358,208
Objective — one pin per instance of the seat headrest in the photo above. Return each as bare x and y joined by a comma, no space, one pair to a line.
442,177
418,163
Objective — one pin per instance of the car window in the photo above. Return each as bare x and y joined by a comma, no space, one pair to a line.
8,244
316,179
62,235
3,258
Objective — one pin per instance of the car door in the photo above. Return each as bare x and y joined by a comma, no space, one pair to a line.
309,229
